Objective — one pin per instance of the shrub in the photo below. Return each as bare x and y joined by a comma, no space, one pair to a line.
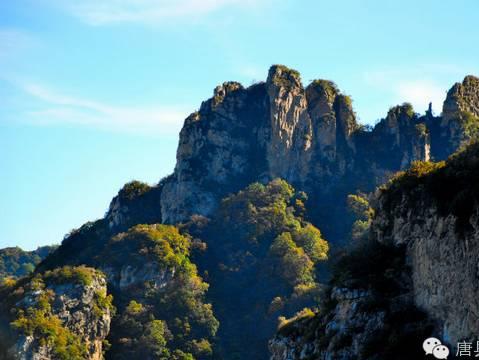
134,189
327,86
80,275
9,282
470,125
134,308
163,243
201,347
359,206
102,303
294,265
16,263
306,313
171,316
310,239
450,186
262,258
287,78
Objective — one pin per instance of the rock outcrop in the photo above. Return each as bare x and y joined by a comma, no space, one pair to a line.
272,129
462,97
66,311
462,103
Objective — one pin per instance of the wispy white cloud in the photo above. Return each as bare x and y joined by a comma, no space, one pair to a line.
53,107
420,93
150,12
251,72
417,85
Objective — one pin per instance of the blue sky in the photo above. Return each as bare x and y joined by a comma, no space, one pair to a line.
93,93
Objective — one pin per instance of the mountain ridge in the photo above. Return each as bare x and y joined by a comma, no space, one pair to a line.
307,136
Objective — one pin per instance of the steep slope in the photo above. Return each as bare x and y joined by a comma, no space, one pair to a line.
415,277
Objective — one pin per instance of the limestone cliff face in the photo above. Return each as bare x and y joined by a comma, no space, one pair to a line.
394,143
444,267
289,133
359,318
129,276
441,234
330,338
135,203
308,136
462,99
220,145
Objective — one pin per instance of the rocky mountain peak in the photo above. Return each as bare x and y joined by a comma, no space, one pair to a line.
400,113
399,119
346,116
321,95
227,88
282,76
462,97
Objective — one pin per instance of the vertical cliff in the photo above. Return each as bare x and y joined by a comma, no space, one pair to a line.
221,147
433,210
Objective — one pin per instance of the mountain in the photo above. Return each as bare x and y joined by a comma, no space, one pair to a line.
246,230
15,262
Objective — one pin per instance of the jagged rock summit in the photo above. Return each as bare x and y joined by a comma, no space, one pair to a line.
308,136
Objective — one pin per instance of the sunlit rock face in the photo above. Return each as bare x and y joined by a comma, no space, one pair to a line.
306,135
461,103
